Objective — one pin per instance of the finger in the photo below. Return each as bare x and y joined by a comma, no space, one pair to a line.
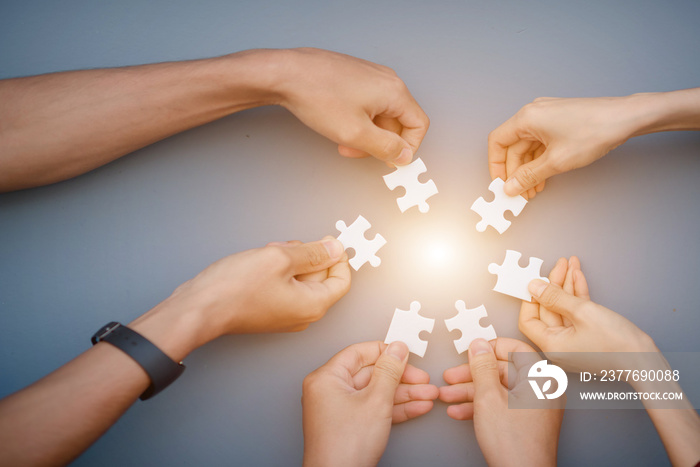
504,346
414,123
391,124
556,276
352,359
568,285
463,373
457,393
409,410
361,379
277,244
499,140
531,192
413,375
530,324
537,153
384,145
462,411
388,371
314,256
552,297
516,153
317,276
529,176
415,392
338,282
347,151
484,367
581,285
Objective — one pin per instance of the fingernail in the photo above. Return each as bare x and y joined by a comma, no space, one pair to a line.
513,187
334,248
397,349
479,346
536,287
404,157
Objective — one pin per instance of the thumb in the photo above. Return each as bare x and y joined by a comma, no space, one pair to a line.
553,298
388,370
383,144
529,175
314,256
484,367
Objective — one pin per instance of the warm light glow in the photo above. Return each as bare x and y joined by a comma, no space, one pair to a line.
438,253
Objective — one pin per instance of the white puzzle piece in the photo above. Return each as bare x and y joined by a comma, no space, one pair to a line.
467,321
405,327
354,237
492,212
512,279
416,192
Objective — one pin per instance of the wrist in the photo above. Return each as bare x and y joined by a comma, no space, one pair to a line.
666,111
252,78
176,326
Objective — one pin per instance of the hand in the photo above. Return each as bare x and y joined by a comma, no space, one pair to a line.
564,319
350,403
362,106
281,287
506,436
550,136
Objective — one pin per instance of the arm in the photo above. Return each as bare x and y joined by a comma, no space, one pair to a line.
52,421
480,391
59,125
564,319
350,403
551,135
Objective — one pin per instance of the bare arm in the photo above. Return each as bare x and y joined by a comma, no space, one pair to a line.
52,421
552,135
59,125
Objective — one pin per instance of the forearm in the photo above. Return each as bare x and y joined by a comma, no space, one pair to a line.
677,422
60,125
679,430
666,111
55,419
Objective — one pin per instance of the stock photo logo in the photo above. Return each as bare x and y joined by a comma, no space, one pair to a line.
542,370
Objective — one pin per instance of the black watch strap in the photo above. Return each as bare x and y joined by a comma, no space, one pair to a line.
160,368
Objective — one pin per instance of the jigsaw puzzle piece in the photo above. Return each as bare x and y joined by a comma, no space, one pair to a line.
405,327
512,279
416,192
467,321
492,212
353,236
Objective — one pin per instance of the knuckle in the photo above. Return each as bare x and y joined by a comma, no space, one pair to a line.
311,382
383,366
484,366
315,254
527,177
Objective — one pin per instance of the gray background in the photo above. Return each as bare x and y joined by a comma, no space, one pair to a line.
111,244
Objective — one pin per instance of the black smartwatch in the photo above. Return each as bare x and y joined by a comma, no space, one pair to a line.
160,368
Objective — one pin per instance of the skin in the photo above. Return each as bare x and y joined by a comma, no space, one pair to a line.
480,392
564,319
52,421
60,125
350,403
550,135
56,418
